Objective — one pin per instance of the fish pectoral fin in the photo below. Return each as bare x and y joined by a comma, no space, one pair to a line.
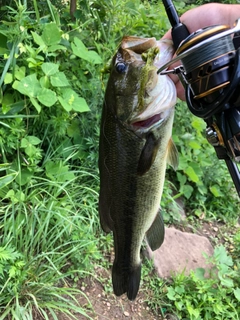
104,213
172,156
155,234
148,154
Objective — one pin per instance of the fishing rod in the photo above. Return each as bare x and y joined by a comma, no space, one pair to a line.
210,73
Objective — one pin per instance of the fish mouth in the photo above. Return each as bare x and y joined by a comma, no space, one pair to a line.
159,104
148,123
157,94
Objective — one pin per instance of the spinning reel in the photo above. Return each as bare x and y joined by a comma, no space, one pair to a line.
210,73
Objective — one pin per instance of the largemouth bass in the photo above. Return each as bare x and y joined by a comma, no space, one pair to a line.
135,145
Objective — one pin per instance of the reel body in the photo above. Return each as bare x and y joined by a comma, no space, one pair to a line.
210,72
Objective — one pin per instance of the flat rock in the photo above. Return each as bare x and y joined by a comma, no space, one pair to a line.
181,251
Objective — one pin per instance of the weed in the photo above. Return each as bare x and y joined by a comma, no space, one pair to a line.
196,297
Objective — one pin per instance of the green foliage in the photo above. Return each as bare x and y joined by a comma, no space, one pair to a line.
40,94
202,179
196,297
48,214
46,240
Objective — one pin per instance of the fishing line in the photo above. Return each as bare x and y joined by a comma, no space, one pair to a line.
208,52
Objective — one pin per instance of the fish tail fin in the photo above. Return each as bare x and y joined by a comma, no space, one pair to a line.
126,281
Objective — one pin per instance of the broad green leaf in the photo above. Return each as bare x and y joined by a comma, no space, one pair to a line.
215,189
34,140
81,51
191,174
5,108
59,80
194,145
71,101
187,190
36,104
25,177
24,143
47,97
51,34
15,197
49,68
57,171
181,178
221,255
31,150
80,45
171,294
8,78
8,99
80,105
28,86
237,294
56,47
179,305
5,180
179,289
183,162
198,124
200,272
65,104
38,39
226,282
20,72
94,57
44,82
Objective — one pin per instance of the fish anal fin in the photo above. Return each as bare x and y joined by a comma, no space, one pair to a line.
148,154
155,234
172,156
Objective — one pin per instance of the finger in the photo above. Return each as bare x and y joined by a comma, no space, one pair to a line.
180,91
167,35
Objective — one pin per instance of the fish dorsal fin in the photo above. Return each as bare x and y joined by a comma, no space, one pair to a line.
148,154
172,156
155,235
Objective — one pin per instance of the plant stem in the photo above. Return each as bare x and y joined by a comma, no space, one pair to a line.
36,10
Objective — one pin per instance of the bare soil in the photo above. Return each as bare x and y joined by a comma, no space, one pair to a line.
102,304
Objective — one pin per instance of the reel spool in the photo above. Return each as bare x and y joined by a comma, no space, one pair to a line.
209,68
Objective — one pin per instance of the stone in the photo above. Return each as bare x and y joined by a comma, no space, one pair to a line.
180,252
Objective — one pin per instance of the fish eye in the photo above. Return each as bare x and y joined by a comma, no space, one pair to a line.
121,67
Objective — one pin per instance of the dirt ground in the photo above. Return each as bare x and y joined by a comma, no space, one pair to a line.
104,305
108,307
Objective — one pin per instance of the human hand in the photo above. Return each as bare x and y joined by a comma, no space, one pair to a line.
201,17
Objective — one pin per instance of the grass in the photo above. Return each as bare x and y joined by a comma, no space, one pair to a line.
46,243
